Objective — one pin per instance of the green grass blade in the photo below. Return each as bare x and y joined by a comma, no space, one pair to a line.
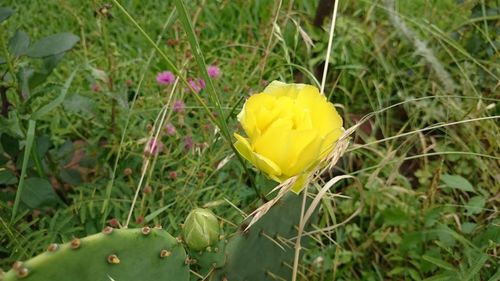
439,263
214,97
30,137
200,60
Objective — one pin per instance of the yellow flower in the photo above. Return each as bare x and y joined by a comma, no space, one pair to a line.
290,128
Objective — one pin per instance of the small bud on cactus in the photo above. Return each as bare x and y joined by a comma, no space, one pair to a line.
201,229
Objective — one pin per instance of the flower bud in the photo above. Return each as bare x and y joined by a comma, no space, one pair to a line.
201,229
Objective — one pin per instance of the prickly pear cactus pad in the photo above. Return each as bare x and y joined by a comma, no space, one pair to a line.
144,254
209,259
263,252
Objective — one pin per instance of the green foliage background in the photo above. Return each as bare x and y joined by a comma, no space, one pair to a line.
430,198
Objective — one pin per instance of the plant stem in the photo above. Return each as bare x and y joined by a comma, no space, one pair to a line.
299,236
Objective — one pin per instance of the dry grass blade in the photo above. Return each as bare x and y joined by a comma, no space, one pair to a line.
321,193
283,188
328,229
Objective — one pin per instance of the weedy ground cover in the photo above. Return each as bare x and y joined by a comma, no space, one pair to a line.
87,125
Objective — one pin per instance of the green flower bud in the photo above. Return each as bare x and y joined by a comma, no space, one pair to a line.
201,229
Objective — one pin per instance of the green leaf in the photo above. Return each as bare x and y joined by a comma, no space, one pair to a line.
475,205
38,192
10,145
19,43
24,75
439,263
43,144
52,45
57,101
440,277
49,63
7,177
5,13
395,216
457,182
78,103
71,176
468,227
36,79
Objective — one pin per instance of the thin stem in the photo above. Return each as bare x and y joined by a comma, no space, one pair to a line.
299,236
329,49
152,144
127,120
436,126
214,97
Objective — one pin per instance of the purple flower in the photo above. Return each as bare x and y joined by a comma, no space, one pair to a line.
213,71
196,87
179,106
201,83
153,146
188,143
170,129
165,78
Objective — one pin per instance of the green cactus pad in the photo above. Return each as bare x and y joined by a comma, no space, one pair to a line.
208,260
262,252
115,254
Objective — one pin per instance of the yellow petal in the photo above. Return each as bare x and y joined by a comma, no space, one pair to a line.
302,119
257,101
243,147
305,150
267,166
274,143
247,116
323,114
329,142
279,89
264,117
260,162
299,185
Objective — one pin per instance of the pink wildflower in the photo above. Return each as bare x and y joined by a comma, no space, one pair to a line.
170,129
213,71
179,106
153,146
201,83
194,85
165,78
